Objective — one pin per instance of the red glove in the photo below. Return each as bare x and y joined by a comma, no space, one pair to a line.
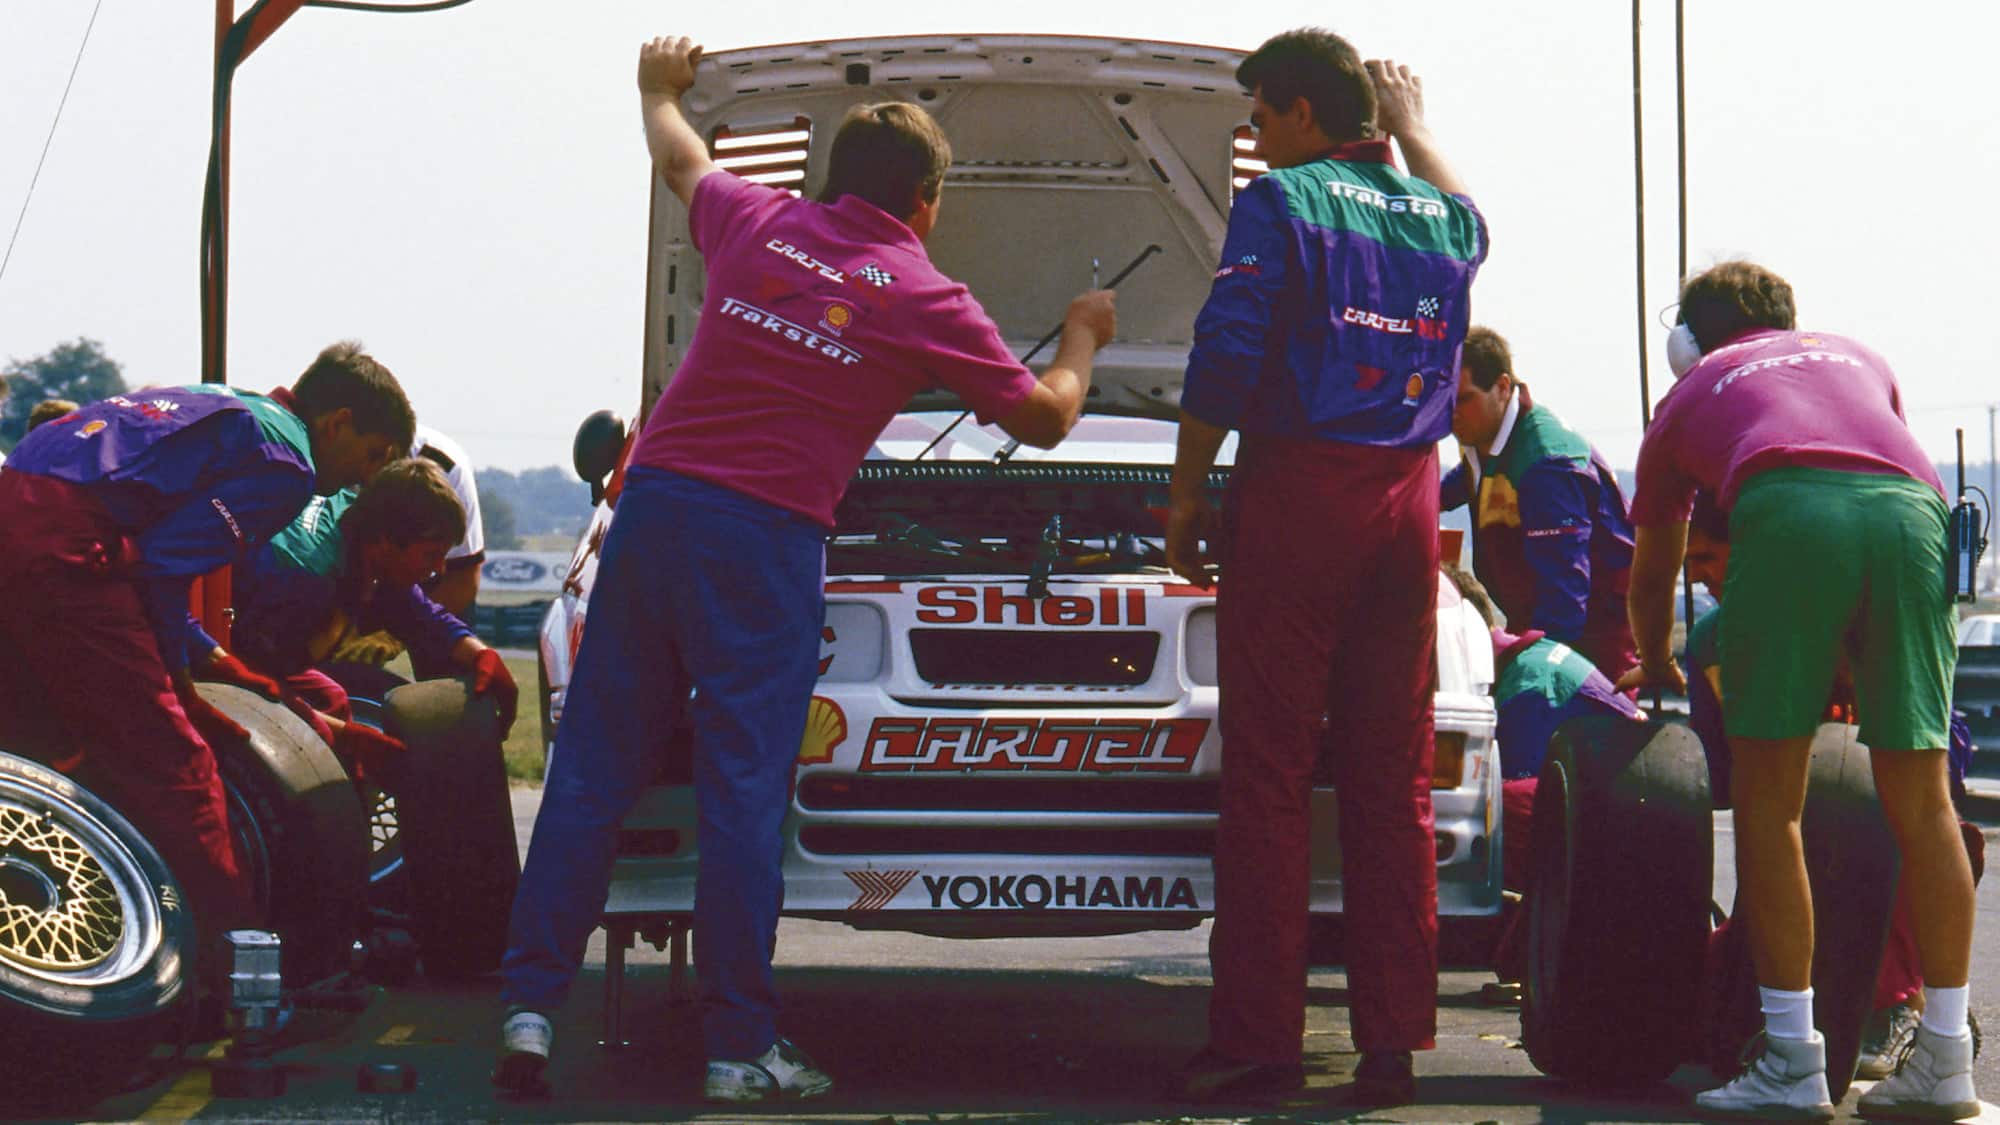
491,677
213,726
227,669
370,749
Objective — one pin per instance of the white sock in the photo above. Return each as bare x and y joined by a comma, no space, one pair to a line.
1787,1015
1944,1010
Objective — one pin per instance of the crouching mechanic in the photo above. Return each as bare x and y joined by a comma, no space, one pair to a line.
1539,684
354,563
1837,527
455,586
711,581
110,512
1550,538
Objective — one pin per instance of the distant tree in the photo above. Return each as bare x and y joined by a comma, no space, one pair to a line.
496,512
78,370
546,501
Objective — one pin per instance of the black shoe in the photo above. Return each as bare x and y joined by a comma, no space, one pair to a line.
1383,1078
1211,1076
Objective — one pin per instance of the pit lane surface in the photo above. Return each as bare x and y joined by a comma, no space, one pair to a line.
928,1029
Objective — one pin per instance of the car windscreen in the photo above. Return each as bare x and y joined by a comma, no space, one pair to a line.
1094,505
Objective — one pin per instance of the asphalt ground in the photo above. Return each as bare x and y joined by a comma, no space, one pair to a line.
918,1029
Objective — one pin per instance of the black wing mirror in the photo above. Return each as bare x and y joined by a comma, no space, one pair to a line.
600,440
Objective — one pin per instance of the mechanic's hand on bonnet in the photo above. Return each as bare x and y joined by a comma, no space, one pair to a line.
1094,311
1399,97
491,677
1188,523
223,668
666,65
1666,676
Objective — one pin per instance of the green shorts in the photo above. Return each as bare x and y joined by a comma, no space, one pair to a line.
1823,562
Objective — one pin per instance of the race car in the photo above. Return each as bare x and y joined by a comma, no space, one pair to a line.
1014,729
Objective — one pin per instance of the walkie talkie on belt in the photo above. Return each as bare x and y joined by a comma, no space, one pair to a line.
1966,540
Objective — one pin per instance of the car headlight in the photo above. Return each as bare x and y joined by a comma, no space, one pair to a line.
1448,764
851,643
1198,643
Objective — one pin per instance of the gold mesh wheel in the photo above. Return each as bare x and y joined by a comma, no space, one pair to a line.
385,839
59,909
382,826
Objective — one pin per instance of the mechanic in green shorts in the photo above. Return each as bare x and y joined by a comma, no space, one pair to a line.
1837,526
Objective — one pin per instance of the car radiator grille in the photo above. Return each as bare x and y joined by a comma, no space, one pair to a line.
988,793
912,839
1098,658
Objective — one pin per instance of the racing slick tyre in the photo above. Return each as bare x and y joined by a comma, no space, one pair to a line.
1851,862
1618,902
301,830
95,945
457,825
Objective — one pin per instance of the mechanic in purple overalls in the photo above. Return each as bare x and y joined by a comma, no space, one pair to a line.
822,318
1330,341
1550,539
353,564
110,513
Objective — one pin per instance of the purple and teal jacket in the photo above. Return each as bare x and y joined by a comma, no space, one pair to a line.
1339,306
1542,683
1550,537
290,590
192,477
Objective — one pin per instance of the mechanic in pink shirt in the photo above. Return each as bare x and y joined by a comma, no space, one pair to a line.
821,320
1837,527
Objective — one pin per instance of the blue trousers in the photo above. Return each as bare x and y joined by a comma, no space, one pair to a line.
710,601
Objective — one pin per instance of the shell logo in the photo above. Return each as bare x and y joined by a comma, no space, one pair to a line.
836,318
826,728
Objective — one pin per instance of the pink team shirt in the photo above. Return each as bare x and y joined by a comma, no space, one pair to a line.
820,323
1772,399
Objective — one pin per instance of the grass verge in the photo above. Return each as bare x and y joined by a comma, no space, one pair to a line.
525,745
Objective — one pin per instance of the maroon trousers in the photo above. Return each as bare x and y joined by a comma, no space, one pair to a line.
1517,854
1327,629
82,688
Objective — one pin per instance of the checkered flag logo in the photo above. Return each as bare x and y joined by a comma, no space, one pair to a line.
877,887
875,275
1427,306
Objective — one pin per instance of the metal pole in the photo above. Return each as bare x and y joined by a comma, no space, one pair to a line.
1681,219
214,301
1681,128
1639,219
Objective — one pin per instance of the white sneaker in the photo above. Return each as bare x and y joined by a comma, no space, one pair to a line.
782,1071
525,1039
1785,1082
1933,1083
1889,1035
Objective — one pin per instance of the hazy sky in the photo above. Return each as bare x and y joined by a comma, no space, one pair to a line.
466,191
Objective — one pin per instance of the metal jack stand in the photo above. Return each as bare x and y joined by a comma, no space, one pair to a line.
620,934
618,938
256,994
